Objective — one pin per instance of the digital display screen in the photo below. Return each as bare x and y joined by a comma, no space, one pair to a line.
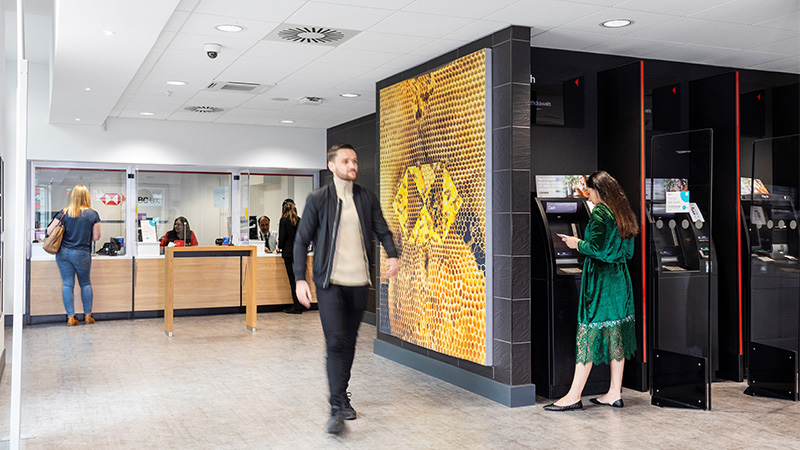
561,207
561,249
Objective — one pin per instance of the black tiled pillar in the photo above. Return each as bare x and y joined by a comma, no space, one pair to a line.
511,204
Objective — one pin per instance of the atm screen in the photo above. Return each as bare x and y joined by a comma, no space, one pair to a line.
561,207
561,249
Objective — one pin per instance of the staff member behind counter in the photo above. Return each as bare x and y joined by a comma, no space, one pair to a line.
270,238
180,232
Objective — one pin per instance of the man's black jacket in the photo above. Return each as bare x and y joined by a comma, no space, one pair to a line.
320,224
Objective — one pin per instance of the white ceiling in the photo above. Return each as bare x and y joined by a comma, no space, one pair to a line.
156,41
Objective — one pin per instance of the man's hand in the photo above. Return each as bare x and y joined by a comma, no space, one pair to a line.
303,293
392,266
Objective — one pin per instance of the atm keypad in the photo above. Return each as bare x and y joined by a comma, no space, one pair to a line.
570,270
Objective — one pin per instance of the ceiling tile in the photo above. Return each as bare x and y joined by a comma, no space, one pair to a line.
569,40
414,24
477,30
641,20
786,47
438,47
404,62
338,16
245,116
673,7
596,2
472,9
393,43
628,46
267,10
189,42
285,50
743,59
783,65
264,102
193,116
358,57
544,13
324,69
225,100
378,74
748,37
205,24
260,70
749,12
385,4
685,30
311,84
690,53
787,22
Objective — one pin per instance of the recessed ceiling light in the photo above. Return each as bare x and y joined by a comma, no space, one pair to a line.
287,121
230,28
349,95
176,83
147,113
280,99
87,89
616,23
108,33
77,119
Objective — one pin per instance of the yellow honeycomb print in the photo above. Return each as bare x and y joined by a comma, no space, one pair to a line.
433,193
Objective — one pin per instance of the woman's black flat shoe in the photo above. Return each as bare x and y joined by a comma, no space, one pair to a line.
572,407
616,404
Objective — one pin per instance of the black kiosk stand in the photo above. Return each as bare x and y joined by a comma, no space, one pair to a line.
680,267
556,271
769,206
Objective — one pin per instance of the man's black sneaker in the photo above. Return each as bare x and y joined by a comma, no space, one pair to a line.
335,423
293,310
347,409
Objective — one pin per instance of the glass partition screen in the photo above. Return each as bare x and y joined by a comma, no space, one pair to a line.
52,190
202,199
267,193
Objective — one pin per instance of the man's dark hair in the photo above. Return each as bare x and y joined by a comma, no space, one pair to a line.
336,147
263,217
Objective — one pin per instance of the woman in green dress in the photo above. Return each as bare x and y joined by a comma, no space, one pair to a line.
606,326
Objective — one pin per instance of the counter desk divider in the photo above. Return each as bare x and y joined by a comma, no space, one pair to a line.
170,253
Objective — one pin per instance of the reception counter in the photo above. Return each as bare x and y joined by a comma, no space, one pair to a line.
123,284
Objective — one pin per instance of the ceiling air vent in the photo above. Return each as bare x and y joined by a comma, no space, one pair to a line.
234,86
204,109
307,34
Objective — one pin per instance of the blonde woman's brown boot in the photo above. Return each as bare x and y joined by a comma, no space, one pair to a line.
87,319
72,321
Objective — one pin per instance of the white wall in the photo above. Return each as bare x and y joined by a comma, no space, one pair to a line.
143,141
3,147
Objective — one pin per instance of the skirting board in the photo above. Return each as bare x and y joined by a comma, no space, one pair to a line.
368,318
511,396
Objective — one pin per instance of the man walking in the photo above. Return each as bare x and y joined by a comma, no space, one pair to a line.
340,218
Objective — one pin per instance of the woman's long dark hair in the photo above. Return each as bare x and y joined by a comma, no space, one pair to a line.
289,211
187,231
612,195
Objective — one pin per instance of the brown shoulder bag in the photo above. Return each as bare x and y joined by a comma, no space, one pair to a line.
52,242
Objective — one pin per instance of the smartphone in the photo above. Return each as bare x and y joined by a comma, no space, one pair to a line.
562,236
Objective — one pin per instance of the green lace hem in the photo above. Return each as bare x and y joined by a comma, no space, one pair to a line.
603,342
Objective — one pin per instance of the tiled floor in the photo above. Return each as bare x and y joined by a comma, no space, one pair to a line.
124,384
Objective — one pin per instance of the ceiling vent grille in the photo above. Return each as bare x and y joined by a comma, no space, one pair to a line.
204,109
308,34
233,86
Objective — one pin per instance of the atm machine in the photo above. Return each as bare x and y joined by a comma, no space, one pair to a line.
682,260
774,294
555,291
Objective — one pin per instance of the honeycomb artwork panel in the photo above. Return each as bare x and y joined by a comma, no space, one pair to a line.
433,177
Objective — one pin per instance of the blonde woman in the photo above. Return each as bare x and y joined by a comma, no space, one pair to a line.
74,257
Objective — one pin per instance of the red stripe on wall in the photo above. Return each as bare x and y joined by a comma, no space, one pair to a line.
643,206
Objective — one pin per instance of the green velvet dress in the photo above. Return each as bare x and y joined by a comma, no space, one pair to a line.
606,320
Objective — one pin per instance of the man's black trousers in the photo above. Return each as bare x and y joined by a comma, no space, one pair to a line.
340,311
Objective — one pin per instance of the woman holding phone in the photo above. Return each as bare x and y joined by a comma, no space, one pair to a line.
606,321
